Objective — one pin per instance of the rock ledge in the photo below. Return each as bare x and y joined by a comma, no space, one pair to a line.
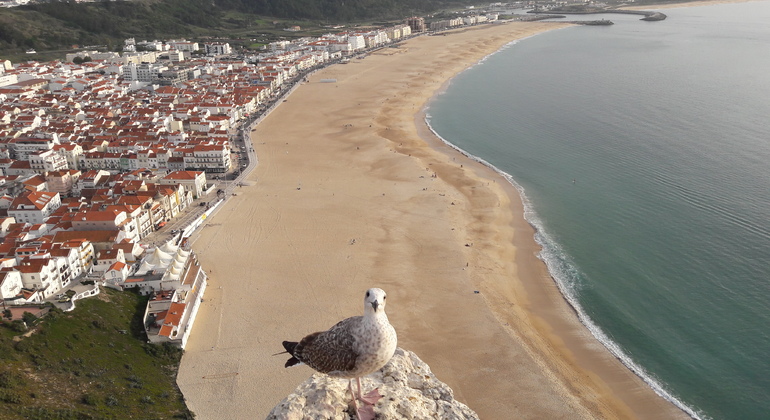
410,389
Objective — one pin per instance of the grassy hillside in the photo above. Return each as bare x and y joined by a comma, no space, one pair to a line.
59,26
91,363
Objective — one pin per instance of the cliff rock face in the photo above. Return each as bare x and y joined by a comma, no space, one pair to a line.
410,390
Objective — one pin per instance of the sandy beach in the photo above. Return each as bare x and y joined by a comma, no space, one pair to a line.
352,191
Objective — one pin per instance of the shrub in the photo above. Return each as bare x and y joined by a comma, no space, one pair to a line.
10,380
28,318
23,346
10,397
18,325
89,399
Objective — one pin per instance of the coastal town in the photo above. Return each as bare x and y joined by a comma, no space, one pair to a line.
111,161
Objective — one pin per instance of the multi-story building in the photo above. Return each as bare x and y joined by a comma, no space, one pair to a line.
177,282
112,219
193,181
144,72
217,48
47,160
34,207
417,24
22,147
10,284
40,274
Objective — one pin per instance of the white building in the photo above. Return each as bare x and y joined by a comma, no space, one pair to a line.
145,72
10,284
217,48
183,45
40,274
129,45
47,161
177,282
34,207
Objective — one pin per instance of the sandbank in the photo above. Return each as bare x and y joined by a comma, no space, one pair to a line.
353,191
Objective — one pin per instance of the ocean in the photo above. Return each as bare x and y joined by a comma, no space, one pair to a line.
642,152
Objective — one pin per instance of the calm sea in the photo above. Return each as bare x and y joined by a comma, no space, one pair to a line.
643,152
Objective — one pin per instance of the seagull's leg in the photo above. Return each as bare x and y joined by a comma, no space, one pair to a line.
359,387
353,394
367,411
371,397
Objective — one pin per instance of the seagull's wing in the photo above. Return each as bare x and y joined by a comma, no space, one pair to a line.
332,350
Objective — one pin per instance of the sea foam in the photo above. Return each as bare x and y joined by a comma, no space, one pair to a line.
567,277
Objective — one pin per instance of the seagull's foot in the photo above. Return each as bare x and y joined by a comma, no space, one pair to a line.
365,412
371,397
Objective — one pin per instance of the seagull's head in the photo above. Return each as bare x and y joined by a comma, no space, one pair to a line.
374,301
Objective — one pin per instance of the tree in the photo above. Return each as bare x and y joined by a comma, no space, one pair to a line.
28,318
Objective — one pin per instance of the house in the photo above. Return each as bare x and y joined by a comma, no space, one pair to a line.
98,239
100,220
22,147
132,252
10,284
5,223
193,181
35,183
140,209
82,248
171,200
116,273
62,181
71,153
68,262
21,168
105,259
90,179
47,160
40,274
34,207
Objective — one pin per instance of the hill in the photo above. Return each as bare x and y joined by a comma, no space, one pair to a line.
91,363
58,26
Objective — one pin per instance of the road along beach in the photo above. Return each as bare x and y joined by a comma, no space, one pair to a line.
353,191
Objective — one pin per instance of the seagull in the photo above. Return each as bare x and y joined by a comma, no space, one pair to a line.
354,347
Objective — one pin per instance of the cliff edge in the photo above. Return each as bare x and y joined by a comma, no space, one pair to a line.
410,390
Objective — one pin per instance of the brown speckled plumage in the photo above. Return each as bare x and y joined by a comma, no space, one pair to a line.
352,348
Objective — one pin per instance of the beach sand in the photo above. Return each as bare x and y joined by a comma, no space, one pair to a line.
353,191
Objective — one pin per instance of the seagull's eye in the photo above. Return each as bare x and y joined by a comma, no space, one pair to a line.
367,294
384,297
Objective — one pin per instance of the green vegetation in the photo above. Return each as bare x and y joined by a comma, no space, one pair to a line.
91,363
59,27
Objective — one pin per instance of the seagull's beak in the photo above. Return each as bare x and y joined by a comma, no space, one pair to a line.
375,304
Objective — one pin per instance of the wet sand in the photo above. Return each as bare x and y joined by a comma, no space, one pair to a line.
352,191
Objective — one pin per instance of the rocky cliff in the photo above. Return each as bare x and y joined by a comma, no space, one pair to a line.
410,390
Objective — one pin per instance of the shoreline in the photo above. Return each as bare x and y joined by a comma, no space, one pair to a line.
575,342
526,321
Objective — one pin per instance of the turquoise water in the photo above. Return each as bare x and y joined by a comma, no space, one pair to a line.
643,154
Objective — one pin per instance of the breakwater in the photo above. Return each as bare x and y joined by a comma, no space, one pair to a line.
648,15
